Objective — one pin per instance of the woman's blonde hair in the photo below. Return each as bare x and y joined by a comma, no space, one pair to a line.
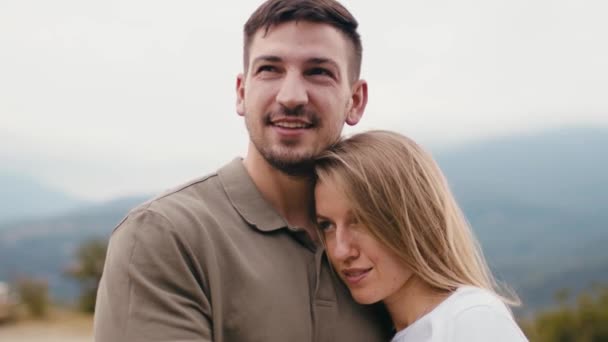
398,192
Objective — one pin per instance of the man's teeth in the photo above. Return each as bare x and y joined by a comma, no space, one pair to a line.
291,124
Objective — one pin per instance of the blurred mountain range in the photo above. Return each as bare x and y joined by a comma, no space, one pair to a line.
23,197
539,206
538,203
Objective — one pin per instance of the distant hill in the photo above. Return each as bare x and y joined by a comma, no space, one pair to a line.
538,203
566,168
45,247
24,197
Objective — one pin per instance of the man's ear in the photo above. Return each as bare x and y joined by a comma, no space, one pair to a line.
240,94
357,103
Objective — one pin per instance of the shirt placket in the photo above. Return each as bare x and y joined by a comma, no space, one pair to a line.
324,306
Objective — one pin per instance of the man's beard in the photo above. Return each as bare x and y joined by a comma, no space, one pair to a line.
301,167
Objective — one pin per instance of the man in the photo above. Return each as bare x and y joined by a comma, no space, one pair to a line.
233,256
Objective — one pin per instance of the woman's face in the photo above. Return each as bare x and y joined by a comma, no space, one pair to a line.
370,271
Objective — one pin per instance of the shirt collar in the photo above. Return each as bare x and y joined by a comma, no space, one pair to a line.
247,199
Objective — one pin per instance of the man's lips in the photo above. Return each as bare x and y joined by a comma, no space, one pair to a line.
353,276
291,123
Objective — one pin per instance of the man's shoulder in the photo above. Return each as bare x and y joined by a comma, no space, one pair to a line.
188,193
191,194
187,206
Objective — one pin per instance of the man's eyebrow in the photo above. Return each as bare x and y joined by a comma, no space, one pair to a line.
267,58
321,60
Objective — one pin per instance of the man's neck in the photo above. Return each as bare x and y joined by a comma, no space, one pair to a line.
290,196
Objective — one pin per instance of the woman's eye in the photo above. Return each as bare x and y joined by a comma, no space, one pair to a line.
324,225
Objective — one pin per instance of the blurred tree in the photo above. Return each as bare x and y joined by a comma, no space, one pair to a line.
34,295
586,321
87,270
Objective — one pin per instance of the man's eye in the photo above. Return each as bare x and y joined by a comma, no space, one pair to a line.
320,71
324,225
267,68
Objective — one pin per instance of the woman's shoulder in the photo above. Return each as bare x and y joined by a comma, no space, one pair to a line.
468,298
469,314
475,314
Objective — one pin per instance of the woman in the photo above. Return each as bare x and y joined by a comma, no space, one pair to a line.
395,234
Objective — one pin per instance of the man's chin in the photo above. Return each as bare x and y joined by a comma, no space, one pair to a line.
303,167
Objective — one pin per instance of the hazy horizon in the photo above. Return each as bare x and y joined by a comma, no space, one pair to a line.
157,185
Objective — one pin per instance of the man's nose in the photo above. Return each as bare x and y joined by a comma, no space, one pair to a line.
293,92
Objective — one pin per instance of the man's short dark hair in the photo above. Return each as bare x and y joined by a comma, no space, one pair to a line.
330,12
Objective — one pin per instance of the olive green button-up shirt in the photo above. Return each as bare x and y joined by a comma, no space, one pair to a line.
213,261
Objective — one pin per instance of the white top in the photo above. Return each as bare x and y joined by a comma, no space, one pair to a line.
469,314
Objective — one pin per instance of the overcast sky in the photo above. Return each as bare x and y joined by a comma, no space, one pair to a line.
109,98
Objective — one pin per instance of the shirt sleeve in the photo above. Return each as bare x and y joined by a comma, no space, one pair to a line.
151,288
485,323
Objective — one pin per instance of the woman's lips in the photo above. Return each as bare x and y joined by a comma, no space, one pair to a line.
354,276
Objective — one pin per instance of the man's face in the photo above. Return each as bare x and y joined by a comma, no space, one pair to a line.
296,94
